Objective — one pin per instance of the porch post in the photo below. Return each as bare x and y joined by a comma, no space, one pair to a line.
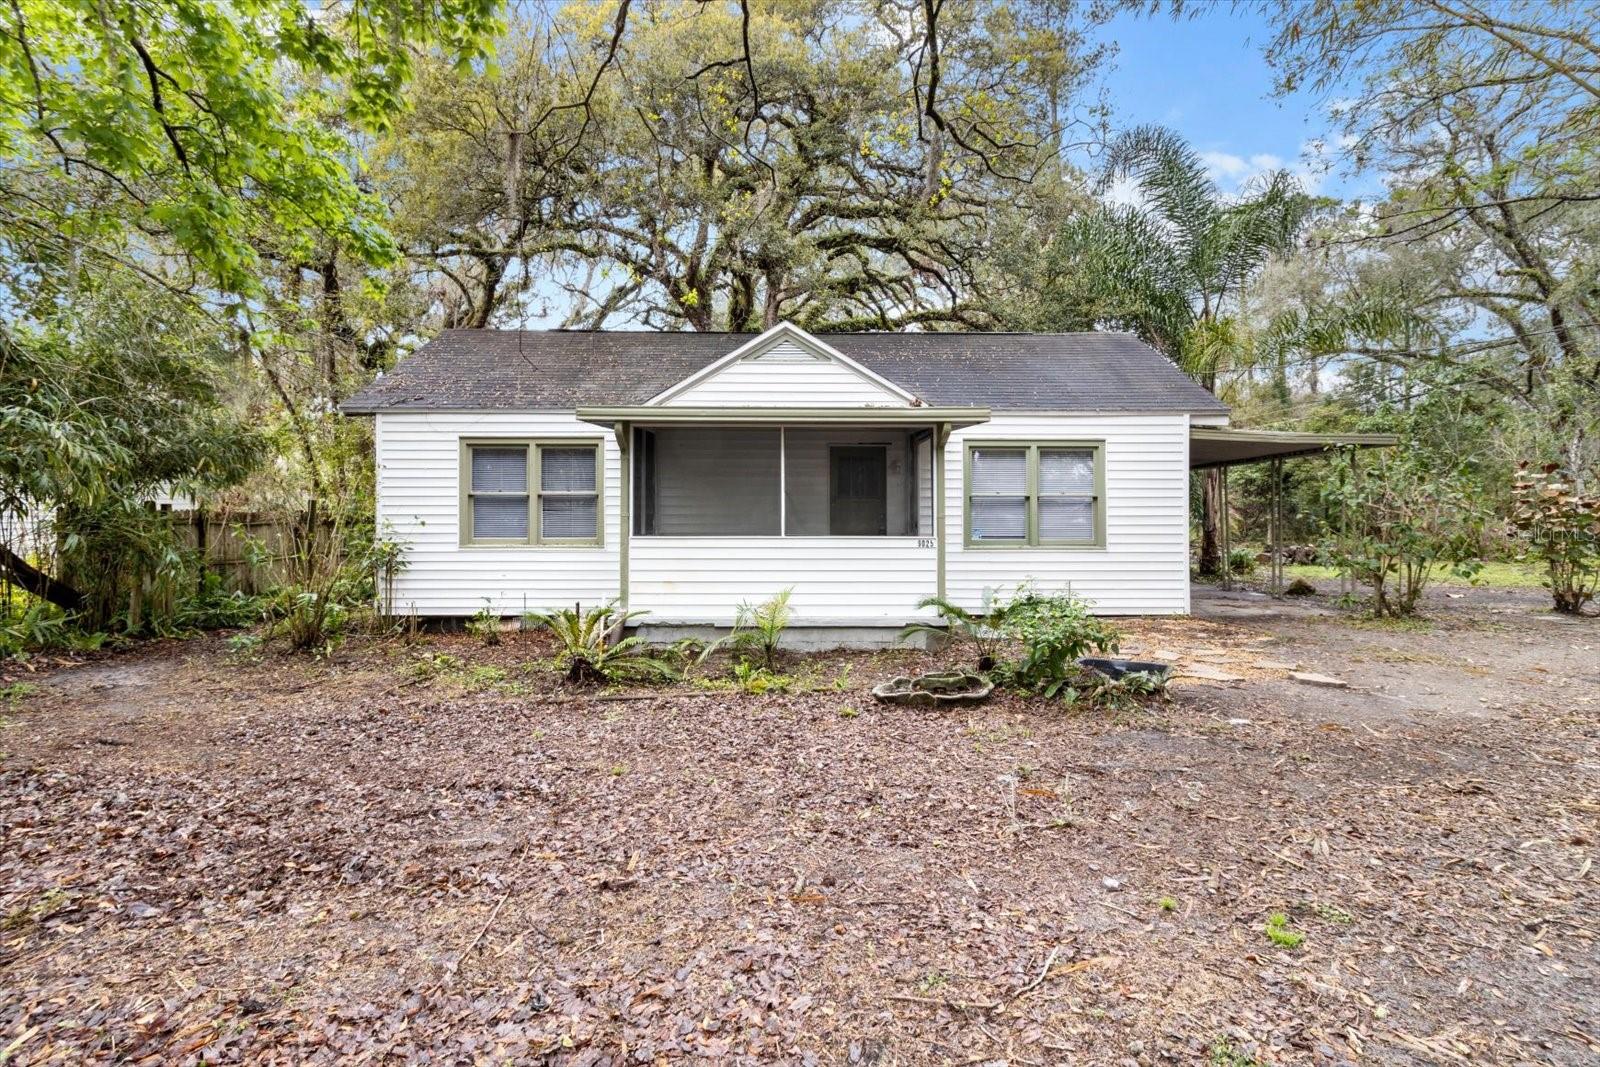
624,433
941,434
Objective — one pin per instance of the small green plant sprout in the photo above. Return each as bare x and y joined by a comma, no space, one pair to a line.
1225,1053
485,624
755,680
484,676
841,681
15,693
849,713
590,652
1332,913
244,647
1168,904
758,628
1279,933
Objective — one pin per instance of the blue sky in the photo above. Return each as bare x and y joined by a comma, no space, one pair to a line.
1206,78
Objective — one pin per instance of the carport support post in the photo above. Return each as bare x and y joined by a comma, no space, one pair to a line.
1275,521
1222,528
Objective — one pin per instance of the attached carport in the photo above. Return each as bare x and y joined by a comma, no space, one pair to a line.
1221,448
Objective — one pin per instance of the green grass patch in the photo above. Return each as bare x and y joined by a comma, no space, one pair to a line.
1279,933
1491,576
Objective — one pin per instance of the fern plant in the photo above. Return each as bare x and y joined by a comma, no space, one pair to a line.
758,628
588,654
983,630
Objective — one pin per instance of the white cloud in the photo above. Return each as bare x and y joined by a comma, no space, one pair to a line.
1233,172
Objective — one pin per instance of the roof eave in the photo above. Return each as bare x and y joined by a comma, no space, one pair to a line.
954,417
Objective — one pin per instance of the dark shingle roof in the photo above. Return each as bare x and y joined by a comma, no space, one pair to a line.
532,369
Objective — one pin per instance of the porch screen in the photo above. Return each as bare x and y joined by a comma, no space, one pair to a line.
712,481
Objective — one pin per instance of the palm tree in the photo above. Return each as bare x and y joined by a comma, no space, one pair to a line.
1171,267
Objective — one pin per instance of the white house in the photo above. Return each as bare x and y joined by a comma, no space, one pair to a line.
684,473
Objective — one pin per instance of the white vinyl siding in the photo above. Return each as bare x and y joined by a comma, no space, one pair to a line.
785,376
1144,566
419,504
836,580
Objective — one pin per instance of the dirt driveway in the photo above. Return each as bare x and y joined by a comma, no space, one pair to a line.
434,852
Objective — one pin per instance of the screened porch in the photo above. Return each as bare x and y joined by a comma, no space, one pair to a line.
757,481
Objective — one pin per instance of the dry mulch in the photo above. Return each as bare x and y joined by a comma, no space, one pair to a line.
291,860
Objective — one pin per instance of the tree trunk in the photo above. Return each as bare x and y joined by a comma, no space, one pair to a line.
1210,525
39,583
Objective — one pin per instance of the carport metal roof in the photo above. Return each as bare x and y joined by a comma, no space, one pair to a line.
1221,447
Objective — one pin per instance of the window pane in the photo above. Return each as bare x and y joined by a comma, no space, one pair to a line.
1066,520
1068,471
1000,518
566,470
499,470
567,516
499,516
1001,471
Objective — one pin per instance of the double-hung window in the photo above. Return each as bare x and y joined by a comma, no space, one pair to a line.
1040,494
531,492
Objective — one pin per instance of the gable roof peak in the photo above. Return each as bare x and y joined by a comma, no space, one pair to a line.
771,338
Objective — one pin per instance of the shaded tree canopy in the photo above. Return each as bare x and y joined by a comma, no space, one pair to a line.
723,166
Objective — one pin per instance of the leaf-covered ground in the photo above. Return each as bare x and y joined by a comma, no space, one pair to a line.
287,860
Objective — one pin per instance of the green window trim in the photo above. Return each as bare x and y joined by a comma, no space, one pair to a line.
1032,448
535,492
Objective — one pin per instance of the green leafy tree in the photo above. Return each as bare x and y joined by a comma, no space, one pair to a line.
1484,120
838,163
159,135
107,402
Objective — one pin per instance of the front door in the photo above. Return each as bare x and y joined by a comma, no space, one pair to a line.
858,490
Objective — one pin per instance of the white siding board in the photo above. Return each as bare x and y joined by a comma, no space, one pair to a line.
835,579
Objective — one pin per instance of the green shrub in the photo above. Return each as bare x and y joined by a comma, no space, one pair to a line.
485,625
1054,631
213,607
589,656
1561,529
1241,561
758,628
1405,524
